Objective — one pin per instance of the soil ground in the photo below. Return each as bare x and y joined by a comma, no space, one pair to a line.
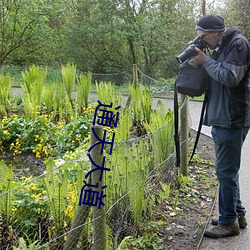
196,201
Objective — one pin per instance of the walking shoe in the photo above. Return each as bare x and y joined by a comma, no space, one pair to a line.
221,231
241,219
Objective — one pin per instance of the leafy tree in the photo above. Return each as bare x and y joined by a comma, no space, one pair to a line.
102,36
237,13
21,21
94,38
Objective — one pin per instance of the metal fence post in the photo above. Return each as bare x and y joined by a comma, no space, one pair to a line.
99,219
184,135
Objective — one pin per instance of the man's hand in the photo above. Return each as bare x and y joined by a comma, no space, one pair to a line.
200,58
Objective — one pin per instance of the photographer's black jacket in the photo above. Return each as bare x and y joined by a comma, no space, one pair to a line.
229,90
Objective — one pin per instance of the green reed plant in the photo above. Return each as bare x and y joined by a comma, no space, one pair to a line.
68,74
141,104
106,92
5,90
56,184
137,175
48,98
129,169
125,123
83,90
33,85
135,92
6,184
146,102
62,106
161,128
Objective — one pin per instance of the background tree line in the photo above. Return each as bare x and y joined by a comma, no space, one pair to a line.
107,36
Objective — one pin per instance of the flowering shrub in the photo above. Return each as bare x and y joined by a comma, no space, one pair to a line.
44,138
45,206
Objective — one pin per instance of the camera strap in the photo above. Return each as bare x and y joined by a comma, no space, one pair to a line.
199,127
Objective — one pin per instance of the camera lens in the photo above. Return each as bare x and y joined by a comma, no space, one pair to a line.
190,51
187,53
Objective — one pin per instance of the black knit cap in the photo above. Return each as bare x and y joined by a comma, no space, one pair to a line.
210,23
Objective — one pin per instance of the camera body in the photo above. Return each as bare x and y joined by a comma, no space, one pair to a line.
190,51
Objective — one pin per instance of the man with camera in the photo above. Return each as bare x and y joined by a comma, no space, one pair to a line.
228,112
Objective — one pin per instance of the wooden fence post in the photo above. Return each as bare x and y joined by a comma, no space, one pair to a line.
135,82
135,74
99,218
83,210
184,135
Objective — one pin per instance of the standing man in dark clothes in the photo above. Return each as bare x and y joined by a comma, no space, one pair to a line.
228,112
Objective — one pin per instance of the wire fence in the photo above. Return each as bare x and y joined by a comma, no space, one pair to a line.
43,212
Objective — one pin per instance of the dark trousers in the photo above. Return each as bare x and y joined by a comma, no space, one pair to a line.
228,145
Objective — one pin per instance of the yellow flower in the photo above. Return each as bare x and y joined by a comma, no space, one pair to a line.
12,145
31,186
14,209
38,155
45,151
73,199
6,132
37,196
69,211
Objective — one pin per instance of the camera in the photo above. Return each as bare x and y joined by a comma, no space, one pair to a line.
190,51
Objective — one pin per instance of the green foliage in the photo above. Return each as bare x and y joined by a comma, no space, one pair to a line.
165,190
141,109
161,126
33,85
103,36
83,91
147,241
6,184
48,98
5,90
29,245
106,92
23,25
68,74
125,124
42,137
29,206
56,187
129,164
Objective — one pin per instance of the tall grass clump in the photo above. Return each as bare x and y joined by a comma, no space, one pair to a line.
83,91
106,92
33,85
68,74
161,132
5,90
141,106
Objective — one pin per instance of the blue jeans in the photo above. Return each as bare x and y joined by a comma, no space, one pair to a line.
228,145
